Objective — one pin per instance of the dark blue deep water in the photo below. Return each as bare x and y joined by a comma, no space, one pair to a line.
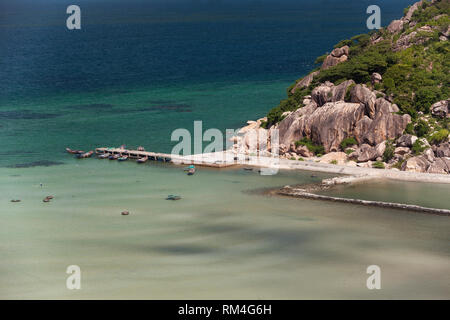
139,69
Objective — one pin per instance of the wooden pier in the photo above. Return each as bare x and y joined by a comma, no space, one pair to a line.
199,160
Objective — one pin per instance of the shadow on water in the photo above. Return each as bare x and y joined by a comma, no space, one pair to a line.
111,109
26,115
93,106
40,163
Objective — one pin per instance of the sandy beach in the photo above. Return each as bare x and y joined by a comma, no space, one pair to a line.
274,164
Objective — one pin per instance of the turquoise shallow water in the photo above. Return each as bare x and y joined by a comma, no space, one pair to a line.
135,73
221,240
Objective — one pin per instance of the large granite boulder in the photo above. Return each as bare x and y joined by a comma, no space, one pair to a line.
368,153
327,125
322,94
440,109
338,157
290,129
440,165
337,56
406,140
442,150
395,26
376,78
362,94
328,92
416,164
305,82
402,151
385,126
338,92
331,123
256,140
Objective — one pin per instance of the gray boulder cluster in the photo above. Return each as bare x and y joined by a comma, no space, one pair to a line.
328,118
336,56
435,159
417,36
440,109
335,112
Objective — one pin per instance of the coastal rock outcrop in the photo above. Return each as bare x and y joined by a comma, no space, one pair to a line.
327,120
336,56
328,92
440,109
443,150
362,94
376,78
327,125
334,157
406,140
305,82
395,26
439,165
416,164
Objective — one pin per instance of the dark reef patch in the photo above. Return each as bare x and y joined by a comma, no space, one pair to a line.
40,163
15,153
184,249
27,115
169,107
93,106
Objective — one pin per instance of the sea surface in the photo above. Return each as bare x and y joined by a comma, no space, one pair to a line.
136,71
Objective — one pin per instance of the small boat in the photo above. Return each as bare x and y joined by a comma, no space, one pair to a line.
15,200
47,199
248,169
173,197
189,168
123,158
74,151
191,171
85,155
142,160
140,148
114,157
103,155
125,213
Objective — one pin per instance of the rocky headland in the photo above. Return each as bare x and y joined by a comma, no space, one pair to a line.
379,100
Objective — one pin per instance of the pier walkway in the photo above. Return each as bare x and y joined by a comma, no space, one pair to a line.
216,160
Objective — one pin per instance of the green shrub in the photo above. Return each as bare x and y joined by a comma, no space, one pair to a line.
345,42
333,162
264,124
425,97
347,97
349,151
301,159
399,164
292,158
378,165
418,147
421,128
439,136
314,148
389,151
350,141
409,128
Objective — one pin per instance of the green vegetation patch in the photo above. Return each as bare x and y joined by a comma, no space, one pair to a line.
314,148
